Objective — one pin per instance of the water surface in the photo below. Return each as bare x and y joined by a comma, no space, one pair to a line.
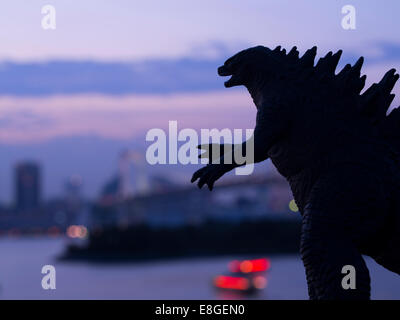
23,259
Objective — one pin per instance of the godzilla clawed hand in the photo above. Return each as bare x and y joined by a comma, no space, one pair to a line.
208,175
215,169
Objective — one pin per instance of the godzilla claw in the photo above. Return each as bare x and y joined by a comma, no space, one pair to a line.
208,175
196,175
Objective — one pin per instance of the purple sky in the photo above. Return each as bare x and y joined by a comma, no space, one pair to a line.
129,29
151,33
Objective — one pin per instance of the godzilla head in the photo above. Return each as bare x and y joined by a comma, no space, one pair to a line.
243,66
259,68
267,72
266,65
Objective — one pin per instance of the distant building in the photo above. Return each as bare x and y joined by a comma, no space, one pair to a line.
245,199
27,186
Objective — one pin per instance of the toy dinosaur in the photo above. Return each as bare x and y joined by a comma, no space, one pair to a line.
339,151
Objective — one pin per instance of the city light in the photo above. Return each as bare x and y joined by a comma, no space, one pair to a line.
80,232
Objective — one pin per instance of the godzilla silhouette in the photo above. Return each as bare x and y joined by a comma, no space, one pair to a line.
339,151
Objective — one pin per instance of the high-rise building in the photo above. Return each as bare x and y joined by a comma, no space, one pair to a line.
27,186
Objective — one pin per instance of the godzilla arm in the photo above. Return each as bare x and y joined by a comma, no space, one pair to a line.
269,127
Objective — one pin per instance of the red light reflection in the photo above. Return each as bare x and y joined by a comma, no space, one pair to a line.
247,266
229,282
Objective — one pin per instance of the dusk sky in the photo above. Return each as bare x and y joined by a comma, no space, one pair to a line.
128,29
115,69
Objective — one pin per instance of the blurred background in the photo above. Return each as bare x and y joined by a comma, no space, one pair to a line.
76,103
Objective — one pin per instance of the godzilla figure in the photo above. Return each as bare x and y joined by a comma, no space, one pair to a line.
339,151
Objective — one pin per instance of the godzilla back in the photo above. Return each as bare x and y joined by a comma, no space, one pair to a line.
375,103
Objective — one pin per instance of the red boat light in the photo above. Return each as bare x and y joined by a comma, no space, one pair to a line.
234,283
247,266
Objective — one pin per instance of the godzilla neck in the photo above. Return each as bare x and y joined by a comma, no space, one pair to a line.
271,93
258,98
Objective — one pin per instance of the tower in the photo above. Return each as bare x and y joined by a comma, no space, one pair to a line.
27,186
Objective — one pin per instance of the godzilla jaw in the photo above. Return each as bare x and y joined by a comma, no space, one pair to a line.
236,80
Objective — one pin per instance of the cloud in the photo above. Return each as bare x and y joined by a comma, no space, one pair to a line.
375,53
23,120
119,116
42,101
144,77
195,73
